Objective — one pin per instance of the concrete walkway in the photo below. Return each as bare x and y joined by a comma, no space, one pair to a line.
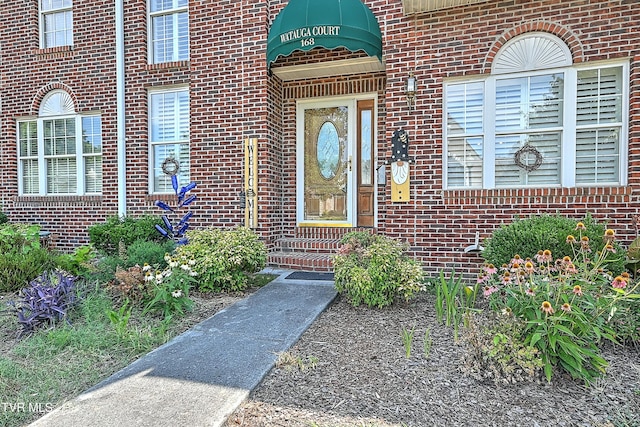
200,377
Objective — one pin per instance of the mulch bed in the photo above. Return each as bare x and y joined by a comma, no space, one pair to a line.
353,371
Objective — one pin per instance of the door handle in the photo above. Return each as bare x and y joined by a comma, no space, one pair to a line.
349,163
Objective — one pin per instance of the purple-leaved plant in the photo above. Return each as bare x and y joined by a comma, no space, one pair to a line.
45,301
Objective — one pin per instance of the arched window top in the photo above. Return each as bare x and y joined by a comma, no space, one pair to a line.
532,51
57,103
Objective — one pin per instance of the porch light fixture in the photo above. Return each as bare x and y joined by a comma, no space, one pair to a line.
410,91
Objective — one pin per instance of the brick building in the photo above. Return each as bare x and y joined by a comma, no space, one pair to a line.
429,120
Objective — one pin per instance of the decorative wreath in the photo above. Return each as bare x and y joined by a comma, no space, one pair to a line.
170,166
527,149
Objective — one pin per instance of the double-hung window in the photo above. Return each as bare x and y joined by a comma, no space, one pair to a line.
56,23
60,152
169,134
549,125
169,30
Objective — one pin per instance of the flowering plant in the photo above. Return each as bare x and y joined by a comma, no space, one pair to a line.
170,286
567,305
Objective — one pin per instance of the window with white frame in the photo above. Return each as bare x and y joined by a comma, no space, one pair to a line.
60,152
169,136
537,121
169,30
56,23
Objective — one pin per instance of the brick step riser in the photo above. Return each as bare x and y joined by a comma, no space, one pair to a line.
327,233
308,245
306,263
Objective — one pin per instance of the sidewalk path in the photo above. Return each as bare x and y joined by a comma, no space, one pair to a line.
200,377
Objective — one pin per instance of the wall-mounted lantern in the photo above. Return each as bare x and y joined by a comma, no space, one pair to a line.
410,91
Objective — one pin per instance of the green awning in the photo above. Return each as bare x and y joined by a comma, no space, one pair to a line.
305,24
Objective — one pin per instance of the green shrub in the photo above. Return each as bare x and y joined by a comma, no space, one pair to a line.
108,236
224,258
18,269
373,269
152,253
3,218
21,257
77,263
525,237
19,238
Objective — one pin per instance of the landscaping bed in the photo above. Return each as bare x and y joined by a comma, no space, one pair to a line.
350,369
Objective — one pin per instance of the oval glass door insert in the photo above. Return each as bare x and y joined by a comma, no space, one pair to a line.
328,150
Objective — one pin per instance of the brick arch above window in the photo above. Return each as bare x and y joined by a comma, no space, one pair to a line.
509,37
46,91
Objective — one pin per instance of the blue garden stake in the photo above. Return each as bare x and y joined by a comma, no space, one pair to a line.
175,230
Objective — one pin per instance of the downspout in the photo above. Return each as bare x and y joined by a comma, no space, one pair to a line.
120,112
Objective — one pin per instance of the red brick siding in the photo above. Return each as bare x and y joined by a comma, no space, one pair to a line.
233,98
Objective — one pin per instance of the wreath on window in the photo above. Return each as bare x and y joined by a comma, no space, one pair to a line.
170,166
523,154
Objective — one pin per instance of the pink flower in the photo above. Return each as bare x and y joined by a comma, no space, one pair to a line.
528,266
609,235
546,307
506,278
490,269
619,283
570,268
482,278
530,292
584,243
577,289
488,290
566,307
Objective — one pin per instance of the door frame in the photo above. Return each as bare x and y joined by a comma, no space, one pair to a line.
351,102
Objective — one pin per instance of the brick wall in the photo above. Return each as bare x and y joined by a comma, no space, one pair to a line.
233,98
87,73
462,42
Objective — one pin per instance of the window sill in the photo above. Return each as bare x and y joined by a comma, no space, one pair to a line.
54,200
533,195
173,65
54,52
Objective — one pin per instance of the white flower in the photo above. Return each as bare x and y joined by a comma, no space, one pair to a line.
192,261
148,276
146,267
185,267
167,257
173,264
167,273
192,273
176,294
